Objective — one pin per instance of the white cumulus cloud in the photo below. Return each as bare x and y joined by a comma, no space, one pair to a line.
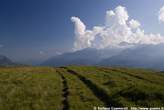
83,37
161,14
134,24
118,29
79,26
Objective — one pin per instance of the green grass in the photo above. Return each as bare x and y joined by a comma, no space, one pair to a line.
130,87
80,97
79,87
30,89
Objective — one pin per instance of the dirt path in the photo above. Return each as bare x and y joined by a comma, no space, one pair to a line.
65,93
97,91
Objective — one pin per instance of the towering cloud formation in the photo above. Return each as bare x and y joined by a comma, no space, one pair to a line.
117,31
134,24
161,14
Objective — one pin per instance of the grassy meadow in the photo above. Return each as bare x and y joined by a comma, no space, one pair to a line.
79,88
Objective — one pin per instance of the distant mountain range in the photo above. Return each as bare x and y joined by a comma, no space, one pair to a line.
143,56
87,56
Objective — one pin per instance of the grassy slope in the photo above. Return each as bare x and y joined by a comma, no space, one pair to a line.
129,87
78,87
30,89
79,97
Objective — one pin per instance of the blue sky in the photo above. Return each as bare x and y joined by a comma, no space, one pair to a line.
32,30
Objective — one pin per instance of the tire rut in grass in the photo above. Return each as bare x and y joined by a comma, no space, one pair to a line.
65,92
97,91
129,74
135,76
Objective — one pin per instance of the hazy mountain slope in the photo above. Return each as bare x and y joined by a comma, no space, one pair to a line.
145,56
87,56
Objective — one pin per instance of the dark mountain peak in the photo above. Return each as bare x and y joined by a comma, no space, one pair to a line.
4,61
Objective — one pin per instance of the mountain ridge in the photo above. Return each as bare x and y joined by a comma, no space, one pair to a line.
142,56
